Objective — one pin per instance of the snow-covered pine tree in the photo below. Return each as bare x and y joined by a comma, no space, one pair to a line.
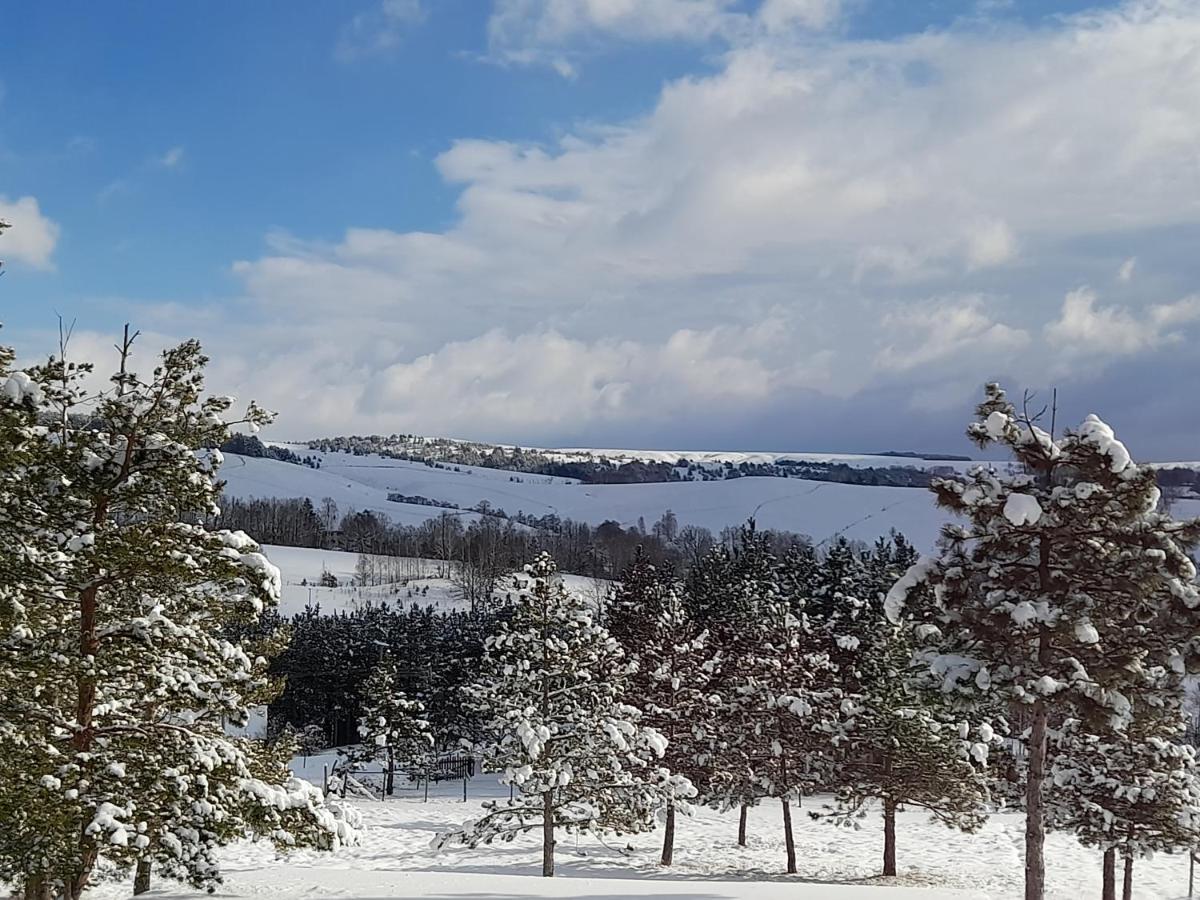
117,671
635,599
792,711
668,679
1065,592
550,693
905,749
392,727
1132,792
722,596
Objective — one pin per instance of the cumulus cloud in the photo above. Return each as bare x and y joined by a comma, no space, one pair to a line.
550,381
830,190
33,236
815,227
1099,332
944,328
1125,273
380,29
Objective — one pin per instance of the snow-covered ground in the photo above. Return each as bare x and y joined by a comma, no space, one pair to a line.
819,509
424,581
394,860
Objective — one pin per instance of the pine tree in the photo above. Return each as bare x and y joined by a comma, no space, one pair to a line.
794,712
555,726
1065,593
636,600
117,669
1132,792
905,748
668,680
903,752
722,596
392,726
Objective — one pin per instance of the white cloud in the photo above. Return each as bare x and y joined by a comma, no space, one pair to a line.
829,189
1099,332
32,238
771,230
945,328
777,15
172,158
519,27
378,30
557,32
990,243
1125,273
544,379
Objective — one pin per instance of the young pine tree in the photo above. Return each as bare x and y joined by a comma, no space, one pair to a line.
723,595
1065,593
550,694
1130,792
668,653
905,749
117,669
795,713
392,728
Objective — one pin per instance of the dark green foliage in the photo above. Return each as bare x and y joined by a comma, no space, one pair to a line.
330,658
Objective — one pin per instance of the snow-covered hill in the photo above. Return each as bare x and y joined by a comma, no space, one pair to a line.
819,509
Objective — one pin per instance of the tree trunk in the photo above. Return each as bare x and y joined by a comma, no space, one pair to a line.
788,838
547,835
141,880
889,836
1109,889
1127,885
391,772
1035,812
668,854
1035,824
742,826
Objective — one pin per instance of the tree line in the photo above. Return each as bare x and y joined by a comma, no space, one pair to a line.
1041,656
492,545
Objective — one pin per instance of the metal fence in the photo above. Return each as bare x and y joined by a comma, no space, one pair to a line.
454,766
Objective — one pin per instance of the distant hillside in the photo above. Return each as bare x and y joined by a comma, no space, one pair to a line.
425,491
594,466
408,492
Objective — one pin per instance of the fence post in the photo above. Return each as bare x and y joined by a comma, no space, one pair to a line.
464,788
1191,872
325,781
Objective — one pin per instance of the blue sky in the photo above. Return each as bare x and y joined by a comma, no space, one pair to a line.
775,224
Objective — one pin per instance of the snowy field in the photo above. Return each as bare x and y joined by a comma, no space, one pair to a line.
394,860
819,509
424,584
